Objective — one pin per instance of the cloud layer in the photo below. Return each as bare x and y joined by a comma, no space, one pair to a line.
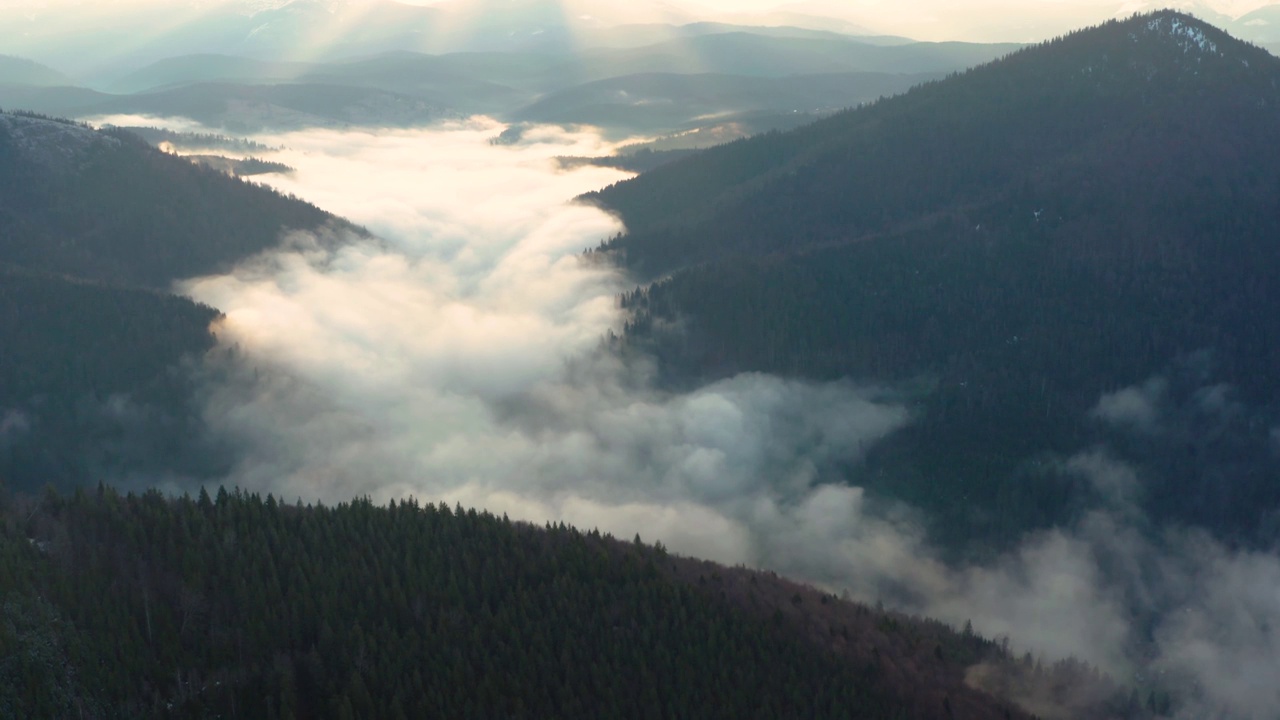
456,357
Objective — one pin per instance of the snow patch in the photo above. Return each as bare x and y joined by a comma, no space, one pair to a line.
1189,36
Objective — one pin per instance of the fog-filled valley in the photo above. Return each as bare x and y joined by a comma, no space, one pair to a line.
350,349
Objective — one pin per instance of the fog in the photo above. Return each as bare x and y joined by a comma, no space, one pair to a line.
457,356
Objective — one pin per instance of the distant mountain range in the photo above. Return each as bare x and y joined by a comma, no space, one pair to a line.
1007,247
384,62
20,71
647,101
648,88
98,42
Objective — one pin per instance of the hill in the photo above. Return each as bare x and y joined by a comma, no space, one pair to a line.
104,205
95,226
746,53
57,100
250,108
104,45
1013,247
144,606
20,71
730,71
701,48
660,102
208,67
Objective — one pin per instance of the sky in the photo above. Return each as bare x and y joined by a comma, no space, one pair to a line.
980,20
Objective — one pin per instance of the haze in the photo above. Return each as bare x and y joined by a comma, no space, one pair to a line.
985,21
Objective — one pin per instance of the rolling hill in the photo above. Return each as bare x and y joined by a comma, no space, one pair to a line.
20,71
1010,247
206,68
145,606
733,71
664,102
747,53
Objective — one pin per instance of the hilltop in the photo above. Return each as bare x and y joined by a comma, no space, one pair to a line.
20,71
1007,246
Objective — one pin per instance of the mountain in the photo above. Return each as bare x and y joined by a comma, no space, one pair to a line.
461,83
102,41
104,205
20,71
245,108
639,35
207,67
707,49
758,74
56,100
793,14
487,25
1019,250
236,605
250,108
745,53
664,102
246,66
1261,25
95,226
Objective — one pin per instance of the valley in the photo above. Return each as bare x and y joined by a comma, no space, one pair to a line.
951,334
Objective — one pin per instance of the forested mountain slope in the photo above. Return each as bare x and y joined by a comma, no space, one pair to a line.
236,606
670,101
94,228
1018,240
105,205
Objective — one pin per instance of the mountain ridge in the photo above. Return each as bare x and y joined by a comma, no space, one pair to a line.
21,71
810,138
1024,237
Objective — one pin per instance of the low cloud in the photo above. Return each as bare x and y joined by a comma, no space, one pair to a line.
1116,483
456,357
1137,408
1224,638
